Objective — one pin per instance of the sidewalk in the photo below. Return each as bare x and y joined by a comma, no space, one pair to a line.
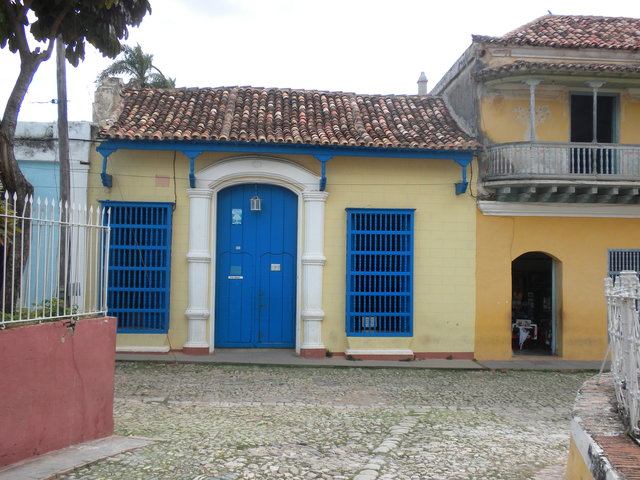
285,357
51,464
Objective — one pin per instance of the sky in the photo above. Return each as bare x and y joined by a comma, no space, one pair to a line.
361,46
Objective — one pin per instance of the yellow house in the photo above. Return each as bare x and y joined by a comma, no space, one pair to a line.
556,104
328,223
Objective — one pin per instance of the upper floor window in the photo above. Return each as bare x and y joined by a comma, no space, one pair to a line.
583,115
593,121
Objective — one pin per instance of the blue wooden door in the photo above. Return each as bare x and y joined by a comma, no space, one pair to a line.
256,267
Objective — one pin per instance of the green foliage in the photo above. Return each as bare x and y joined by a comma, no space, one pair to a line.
140,68
102,23
8,224
53,307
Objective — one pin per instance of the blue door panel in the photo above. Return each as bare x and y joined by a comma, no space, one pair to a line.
277,280
233,315
256,267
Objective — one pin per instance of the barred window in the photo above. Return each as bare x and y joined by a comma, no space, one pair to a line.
139,266
623,259
379,272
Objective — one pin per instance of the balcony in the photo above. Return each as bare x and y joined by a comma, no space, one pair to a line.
563,172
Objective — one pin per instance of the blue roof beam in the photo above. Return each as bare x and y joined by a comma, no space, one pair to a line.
322,153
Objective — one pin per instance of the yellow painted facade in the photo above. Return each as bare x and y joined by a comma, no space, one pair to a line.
577,469
444,236
579,248
505,113
444,249
578,245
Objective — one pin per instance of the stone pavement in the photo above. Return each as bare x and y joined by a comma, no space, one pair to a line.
233,422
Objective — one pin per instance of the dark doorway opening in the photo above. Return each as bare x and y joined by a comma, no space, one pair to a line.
532,313
593,160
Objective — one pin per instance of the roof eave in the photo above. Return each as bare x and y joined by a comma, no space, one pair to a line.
108,146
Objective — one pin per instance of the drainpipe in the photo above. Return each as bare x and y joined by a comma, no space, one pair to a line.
533,83
594,87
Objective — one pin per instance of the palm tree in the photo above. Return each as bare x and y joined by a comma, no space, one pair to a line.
139,66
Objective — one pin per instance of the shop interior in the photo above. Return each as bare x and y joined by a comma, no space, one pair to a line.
532,328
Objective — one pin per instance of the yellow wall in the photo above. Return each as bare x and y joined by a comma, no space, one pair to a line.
505,114
505,117
579,246
577,469
444,249
444,264
141,176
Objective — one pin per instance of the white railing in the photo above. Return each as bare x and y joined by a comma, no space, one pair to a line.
558,160
53,260
623,312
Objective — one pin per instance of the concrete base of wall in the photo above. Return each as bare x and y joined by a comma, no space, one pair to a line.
57,386
313,352
445,355
195,350
379,354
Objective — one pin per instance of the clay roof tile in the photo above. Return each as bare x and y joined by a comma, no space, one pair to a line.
273,115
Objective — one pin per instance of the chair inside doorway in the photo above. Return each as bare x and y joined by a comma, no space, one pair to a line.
532,324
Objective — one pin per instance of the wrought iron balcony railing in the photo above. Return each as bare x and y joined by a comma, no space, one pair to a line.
568,161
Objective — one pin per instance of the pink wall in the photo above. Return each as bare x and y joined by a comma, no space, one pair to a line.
56,386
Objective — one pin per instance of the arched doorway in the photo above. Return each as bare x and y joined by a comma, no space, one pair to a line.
533,310
202,254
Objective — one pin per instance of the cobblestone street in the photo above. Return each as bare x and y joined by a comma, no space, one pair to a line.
223,422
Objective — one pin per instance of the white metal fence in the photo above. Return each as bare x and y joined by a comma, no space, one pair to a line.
623,305
53,260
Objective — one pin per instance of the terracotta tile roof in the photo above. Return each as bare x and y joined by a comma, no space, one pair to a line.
533,68
569,31
270,115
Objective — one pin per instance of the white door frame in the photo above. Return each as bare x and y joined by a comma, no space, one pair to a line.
202,246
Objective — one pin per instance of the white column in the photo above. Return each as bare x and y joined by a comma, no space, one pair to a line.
594,115
199,260
533,83
313,261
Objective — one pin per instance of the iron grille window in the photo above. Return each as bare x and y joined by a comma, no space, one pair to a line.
379,272
139,266
623,259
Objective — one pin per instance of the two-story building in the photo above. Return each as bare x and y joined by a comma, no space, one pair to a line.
556,104
325,222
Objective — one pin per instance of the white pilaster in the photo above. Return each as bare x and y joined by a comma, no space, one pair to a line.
313,261
199,260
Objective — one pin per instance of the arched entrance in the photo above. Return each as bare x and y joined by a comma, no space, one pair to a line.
202,257
533,311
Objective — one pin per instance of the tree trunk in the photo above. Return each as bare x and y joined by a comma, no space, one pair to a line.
15,248
65,180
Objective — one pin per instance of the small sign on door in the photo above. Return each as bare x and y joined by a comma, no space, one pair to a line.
236,216
275,267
